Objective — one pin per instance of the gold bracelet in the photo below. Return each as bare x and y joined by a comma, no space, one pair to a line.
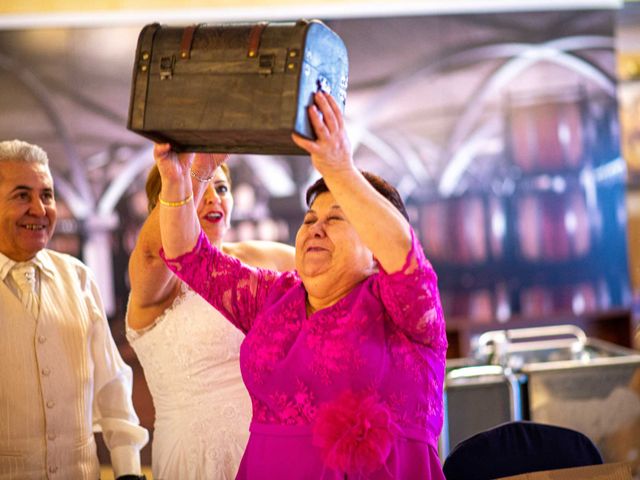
176,204
200,178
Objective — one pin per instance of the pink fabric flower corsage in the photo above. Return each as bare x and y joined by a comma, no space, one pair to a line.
355,433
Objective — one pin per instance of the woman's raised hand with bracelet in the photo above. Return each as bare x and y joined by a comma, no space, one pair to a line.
178,197
205,164
177,170
172,166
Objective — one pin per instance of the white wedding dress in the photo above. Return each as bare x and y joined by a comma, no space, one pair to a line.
190,360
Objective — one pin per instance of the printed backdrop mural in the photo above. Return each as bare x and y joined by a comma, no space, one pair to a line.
500,130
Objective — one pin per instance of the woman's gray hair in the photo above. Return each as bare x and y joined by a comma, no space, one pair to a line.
19,151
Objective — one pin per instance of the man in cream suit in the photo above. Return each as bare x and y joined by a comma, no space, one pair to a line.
61,372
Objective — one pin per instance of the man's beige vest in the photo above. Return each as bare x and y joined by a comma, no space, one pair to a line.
46,384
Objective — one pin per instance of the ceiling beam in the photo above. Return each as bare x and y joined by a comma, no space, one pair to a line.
99,13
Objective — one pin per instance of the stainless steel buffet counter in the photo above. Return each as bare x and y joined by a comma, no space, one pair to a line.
552,375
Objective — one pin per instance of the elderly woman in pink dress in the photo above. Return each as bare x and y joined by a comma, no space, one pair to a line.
344,357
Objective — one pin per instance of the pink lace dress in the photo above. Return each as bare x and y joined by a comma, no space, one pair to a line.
351,391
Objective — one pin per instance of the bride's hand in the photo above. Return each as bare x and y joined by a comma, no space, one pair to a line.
205,164
171,165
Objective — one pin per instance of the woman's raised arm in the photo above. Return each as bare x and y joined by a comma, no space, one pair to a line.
380,225
179,225
153,285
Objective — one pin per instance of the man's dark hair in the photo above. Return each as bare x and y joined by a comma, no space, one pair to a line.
383,187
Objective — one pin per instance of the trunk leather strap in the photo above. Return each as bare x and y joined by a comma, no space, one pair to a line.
187,41
254,39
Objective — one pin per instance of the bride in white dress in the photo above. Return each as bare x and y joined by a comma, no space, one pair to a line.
188,351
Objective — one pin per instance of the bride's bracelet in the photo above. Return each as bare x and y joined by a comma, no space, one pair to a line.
200,178
179,203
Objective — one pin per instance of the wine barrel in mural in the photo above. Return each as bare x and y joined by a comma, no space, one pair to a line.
542,300
464,237
467,230
478,304
547,134
554,226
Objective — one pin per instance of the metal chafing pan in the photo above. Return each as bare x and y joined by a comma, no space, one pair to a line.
477,397
554,375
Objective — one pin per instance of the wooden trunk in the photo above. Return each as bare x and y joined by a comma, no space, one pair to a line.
240,88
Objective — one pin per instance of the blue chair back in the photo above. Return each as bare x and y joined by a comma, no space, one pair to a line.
519,447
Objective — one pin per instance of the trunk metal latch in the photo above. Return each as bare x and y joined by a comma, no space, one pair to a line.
166,67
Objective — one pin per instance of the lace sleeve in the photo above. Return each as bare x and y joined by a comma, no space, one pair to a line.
235,289
412,299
